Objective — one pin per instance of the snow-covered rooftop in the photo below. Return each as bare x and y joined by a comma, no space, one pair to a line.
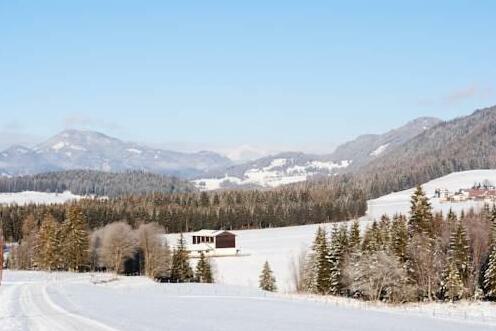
208,233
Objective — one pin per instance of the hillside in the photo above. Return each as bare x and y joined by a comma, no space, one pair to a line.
90,182
367,148
290,167
75,149
281,246
464,143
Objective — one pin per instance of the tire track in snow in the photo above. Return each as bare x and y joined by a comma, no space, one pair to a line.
43,314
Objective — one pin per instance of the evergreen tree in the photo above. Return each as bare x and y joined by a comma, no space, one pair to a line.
203,270
336,261
399,238
452,285
420,213
354,236
369,243
267,279
75,239
322,266
459,250
490,275
492,219
181,269
48,248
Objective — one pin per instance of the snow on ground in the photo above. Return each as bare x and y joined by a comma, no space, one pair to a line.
67,302
379,150
23,198
272,175
281,246
399,202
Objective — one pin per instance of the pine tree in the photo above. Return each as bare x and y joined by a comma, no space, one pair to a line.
48,248
492,219
399,238
322,266
490,275
181,269
452,285
75,239
203,272
336,260
354,236
267,280
420,213
459,250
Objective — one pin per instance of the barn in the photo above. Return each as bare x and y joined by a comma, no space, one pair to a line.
213,243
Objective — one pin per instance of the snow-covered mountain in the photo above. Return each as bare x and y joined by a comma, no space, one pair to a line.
272,171
368,147
73,149
287,168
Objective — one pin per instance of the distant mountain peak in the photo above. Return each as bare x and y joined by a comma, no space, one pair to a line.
92,150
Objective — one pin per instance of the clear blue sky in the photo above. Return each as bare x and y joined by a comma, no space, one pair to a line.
273,74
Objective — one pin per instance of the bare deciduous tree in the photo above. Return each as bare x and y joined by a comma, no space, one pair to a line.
155,249
119,243
379,276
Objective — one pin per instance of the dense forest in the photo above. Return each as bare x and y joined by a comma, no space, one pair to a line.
466,143
182,212
99,183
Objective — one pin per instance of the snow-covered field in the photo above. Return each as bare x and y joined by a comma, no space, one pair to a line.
27,197
273,175
399,202
67,302
281,246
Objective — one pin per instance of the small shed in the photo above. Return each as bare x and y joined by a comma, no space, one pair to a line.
215,238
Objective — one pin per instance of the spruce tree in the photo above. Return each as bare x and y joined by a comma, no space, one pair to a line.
336,261
48,248
203,272
267,279
75,239
420,213
322,266
452,285
490,275
399,238
459,250
354,236
181,269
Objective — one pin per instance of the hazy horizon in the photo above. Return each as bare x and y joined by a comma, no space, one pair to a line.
228,76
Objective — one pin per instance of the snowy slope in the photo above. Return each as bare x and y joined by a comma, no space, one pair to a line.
23,198
399,202
68,302
279,171
281,245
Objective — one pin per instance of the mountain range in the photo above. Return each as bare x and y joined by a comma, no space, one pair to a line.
418,151
74,149
286,168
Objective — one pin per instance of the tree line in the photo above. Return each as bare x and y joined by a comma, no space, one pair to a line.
427,256
184,212
116,247
99,183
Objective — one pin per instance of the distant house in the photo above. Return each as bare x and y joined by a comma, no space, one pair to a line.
213,243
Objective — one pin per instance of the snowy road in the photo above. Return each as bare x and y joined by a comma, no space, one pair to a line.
26,305
40,301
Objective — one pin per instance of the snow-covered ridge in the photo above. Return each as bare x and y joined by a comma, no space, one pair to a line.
379,150
27,197
399,202
273,175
